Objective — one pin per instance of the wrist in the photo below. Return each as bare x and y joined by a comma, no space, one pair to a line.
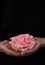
41,40
1,46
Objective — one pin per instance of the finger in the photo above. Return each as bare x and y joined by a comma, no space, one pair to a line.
10,38
6,43
9,51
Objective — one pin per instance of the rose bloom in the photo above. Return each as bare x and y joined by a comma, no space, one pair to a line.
22,42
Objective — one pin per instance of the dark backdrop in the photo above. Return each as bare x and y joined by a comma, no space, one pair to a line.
11,25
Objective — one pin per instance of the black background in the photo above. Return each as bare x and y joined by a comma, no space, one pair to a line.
11,25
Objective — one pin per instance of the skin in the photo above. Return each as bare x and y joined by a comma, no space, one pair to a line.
5,48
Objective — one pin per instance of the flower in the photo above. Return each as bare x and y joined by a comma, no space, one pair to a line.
22,41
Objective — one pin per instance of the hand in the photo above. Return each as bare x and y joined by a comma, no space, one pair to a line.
5,48
34,49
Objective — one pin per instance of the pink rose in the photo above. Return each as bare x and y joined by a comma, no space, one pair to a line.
22,41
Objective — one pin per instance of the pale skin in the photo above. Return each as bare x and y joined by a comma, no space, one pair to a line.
5,48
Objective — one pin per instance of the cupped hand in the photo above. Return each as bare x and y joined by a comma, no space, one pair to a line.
34,49
5,48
